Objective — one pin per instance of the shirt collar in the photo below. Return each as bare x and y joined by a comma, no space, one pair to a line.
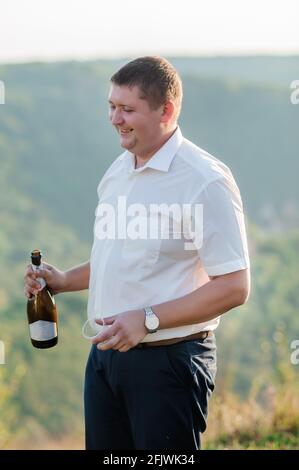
162,159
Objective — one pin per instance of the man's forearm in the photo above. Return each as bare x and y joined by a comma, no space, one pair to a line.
77,278
207,302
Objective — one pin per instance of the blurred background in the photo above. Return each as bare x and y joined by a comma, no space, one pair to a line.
237,62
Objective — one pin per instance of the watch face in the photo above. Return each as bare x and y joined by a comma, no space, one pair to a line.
152,322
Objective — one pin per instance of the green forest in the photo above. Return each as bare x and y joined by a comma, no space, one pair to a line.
55,144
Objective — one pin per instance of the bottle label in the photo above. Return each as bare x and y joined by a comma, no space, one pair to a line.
39,279
42,330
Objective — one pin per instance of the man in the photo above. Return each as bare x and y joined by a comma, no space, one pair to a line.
150,373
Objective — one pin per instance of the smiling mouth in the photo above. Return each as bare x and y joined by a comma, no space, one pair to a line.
125,132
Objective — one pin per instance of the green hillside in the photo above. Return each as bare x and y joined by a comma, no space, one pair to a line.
54,130
262,70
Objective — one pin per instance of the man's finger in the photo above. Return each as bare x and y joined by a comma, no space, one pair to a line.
105,334
28,295
29,273
106,321
124,348
44,273
47,266
103,346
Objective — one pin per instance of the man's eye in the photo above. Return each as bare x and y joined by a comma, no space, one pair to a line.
128,110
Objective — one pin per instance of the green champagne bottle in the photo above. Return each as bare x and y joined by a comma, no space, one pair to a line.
42,311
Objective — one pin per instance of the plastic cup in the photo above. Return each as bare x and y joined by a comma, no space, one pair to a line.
91,328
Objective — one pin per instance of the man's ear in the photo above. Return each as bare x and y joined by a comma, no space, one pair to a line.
167,112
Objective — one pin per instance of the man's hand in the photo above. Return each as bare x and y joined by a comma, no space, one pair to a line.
54,278
126,331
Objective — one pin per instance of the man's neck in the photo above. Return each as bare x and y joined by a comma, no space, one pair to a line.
142,160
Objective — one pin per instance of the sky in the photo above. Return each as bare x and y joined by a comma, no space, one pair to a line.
89,29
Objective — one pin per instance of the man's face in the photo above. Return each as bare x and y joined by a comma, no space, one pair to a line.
138,126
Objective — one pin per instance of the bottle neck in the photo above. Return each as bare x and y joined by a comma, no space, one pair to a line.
39,279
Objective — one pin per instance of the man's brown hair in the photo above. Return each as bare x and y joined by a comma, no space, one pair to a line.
157,79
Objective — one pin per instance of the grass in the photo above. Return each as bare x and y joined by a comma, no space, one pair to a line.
245,441
270,421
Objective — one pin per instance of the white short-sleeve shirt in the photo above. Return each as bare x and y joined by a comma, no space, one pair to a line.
161,230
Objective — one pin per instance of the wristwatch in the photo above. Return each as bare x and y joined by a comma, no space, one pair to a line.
151,322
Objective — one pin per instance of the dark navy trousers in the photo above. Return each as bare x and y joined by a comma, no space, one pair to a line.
150,398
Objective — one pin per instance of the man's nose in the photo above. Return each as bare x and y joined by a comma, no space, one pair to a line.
116,118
